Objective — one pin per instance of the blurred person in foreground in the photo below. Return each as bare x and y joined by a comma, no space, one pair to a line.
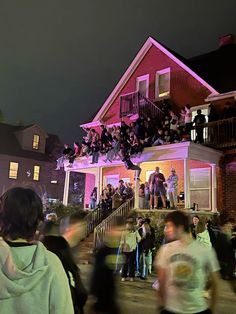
32,278
103,286
184,267
59,246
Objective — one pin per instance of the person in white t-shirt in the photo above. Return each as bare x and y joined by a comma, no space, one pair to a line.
184,267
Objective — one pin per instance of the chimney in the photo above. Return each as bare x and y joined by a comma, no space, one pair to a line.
226,40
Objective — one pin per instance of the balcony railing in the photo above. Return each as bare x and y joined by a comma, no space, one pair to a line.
219,134
111,221
136,103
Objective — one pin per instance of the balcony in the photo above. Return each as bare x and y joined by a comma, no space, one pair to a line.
219,134
135,103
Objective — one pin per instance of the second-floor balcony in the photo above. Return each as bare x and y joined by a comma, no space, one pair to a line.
136,103
219,134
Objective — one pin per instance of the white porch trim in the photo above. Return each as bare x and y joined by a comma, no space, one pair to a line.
66,188
186,184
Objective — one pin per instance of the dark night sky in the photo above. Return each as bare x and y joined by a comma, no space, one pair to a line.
60,59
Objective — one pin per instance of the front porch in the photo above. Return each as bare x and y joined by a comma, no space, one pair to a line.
196,167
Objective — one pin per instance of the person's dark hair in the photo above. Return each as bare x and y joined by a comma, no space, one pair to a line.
178,218
21,210
199,111
147,220
196,216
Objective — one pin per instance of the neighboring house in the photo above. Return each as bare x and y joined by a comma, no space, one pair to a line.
207,175
27,158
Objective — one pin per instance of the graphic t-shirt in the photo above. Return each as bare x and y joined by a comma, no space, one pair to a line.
187,270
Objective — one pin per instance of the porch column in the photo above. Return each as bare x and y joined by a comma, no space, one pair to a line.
213,188
66,188
136,191
98,182
186,184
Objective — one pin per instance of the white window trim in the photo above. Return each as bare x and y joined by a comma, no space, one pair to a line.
158,73
143,78
202,189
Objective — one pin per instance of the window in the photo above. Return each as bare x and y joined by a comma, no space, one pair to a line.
13,170
162,89
36,173
142,85
36,141
112,179
200,187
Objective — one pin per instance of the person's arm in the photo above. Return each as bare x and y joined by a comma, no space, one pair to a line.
138,237
214,278
161,276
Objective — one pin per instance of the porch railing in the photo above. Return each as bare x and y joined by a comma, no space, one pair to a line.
219,134
118,215
91,221
136,103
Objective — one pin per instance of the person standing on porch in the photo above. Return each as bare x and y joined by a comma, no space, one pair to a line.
157,188
172,189
198,122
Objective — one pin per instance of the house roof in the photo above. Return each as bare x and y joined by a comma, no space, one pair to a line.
9,144
181,61
217,67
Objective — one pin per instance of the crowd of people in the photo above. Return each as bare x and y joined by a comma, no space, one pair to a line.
111,197
39,273
123,141
158,192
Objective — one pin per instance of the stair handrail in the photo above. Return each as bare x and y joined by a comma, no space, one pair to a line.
91,220
111,221
133,105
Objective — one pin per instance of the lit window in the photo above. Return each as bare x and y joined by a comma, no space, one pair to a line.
13,170
36,173
36,141
162,83
54,181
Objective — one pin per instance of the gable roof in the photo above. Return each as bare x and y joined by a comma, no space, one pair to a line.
182,62
9,144
217,67
32,126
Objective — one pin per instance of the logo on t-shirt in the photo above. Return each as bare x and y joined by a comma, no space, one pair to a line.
183,269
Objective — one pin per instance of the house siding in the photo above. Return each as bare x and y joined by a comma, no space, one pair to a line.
184,88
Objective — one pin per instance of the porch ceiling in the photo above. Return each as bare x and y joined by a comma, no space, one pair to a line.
177,151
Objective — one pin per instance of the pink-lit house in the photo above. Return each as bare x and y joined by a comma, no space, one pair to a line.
158,73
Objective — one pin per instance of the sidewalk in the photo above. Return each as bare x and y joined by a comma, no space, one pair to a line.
139,297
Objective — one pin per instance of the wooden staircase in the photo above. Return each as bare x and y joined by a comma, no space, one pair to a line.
85,250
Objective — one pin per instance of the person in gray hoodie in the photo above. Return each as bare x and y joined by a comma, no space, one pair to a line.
32,278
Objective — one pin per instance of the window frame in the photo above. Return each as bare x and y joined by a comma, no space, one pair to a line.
141,78
36,174
158,74
10,176
37,142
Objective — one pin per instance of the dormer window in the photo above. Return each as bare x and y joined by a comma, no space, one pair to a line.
162,89
36,141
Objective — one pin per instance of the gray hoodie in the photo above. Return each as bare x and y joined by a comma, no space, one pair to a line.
32,281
